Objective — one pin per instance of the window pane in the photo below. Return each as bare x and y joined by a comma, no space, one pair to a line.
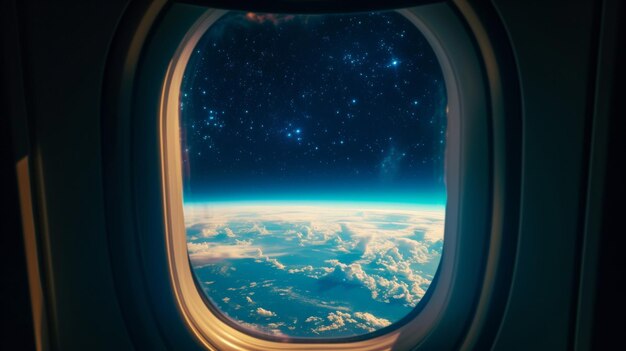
313,166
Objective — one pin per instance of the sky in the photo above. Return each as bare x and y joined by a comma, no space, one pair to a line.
316,107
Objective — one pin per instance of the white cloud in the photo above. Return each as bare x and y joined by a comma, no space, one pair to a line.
313,319
275,262
321,221
201,254
381,288
352,273
272,261
250,301
372,320
392,289
339,320
229,232
257,229
209,231
205,253
308,268
265,313
243,242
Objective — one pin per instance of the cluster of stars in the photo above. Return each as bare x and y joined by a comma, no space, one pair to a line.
313,99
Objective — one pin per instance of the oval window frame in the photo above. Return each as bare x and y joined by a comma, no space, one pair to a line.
487,187
204,319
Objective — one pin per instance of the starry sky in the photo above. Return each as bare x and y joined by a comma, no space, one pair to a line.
319,107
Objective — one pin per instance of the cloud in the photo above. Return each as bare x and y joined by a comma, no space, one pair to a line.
417,251
208,232
257,229
381,288
229,232
202,254
395,290
308,268
275,263
313,319
265,313
338,320
346,228
250,301
392,252
372,320
352,273
206,253
243,242
342,320
272,261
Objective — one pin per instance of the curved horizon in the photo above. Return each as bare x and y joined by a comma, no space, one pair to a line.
423,201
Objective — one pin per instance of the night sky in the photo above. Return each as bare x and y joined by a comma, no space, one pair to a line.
332,107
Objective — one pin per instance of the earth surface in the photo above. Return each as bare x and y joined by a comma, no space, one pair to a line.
310,270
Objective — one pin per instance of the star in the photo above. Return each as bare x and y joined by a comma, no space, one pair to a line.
263,106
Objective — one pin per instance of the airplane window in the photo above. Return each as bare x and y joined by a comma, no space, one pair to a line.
313,151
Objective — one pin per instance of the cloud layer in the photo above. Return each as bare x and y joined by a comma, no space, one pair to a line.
317,258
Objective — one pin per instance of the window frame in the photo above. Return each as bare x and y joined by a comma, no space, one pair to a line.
147,255
201,312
